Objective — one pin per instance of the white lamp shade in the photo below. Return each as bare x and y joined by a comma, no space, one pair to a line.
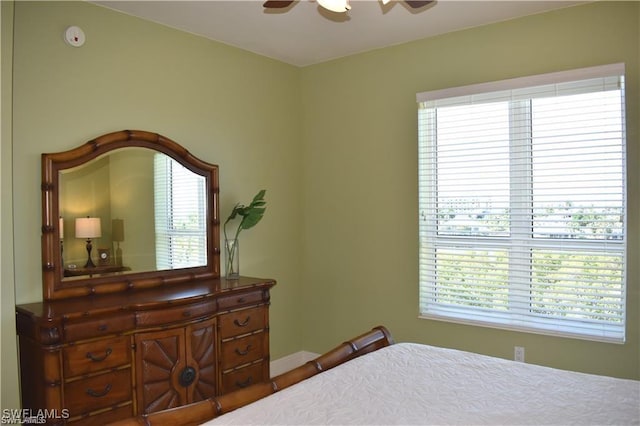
335,5
88,227
61,228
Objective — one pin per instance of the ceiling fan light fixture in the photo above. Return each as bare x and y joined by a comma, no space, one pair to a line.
386,2
339,6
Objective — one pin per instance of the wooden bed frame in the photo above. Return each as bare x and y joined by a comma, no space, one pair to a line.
200,412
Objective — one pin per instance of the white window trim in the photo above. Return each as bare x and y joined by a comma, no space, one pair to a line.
553,78
559,83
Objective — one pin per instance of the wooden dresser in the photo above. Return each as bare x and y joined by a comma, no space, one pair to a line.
111,341
96,359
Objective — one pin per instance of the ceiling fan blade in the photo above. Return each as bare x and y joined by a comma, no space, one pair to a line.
277,4
416,4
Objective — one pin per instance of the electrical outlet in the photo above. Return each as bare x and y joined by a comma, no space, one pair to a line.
518,353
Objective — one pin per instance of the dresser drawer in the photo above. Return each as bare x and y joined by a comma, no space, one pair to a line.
103,326
230,302
241,322
176,314
241,351
243,377
97,355
94,393
105,418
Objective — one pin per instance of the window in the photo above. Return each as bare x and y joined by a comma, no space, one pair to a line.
180,215
522,204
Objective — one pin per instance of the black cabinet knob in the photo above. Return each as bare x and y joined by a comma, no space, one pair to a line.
187,376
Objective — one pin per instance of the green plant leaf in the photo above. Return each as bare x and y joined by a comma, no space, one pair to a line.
233,214
251,214
259,196
252,219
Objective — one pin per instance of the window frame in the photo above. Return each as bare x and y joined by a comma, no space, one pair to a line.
428,211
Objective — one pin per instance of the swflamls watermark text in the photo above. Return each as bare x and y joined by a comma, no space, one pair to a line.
29,416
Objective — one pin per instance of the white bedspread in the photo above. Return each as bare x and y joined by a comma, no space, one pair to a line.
408,383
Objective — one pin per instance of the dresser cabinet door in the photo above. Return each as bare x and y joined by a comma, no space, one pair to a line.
201,345
176,367
160,357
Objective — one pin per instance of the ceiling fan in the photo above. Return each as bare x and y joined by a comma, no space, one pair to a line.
338,5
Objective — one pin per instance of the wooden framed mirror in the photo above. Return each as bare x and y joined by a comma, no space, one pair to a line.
127,210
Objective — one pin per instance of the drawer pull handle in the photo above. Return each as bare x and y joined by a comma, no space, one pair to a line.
187,376
94,358
103,327
246,351
95,394
244,323
186,314
245,383
241,300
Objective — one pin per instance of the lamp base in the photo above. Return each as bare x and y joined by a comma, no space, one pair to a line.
89,263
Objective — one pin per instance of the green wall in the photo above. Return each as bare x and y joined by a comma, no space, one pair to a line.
9,397
334,145
360,157
225,105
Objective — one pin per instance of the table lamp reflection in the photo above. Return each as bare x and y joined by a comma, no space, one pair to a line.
88,227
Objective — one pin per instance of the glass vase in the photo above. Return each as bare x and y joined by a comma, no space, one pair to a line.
232,260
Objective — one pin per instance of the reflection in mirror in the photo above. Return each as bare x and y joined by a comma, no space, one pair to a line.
160,204
180,215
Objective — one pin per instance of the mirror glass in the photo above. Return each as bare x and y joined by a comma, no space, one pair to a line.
151,212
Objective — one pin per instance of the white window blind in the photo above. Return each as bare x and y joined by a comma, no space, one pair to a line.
522,204
180,215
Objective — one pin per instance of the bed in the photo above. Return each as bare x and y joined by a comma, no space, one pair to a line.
369,380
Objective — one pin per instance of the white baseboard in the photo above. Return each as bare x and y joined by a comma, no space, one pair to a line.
286,363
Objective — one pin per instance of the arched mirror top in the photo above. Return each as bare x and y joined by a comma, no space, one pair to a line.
127,210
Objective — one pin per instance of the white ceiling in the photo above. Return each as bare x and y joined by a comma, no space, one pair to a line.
305,34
